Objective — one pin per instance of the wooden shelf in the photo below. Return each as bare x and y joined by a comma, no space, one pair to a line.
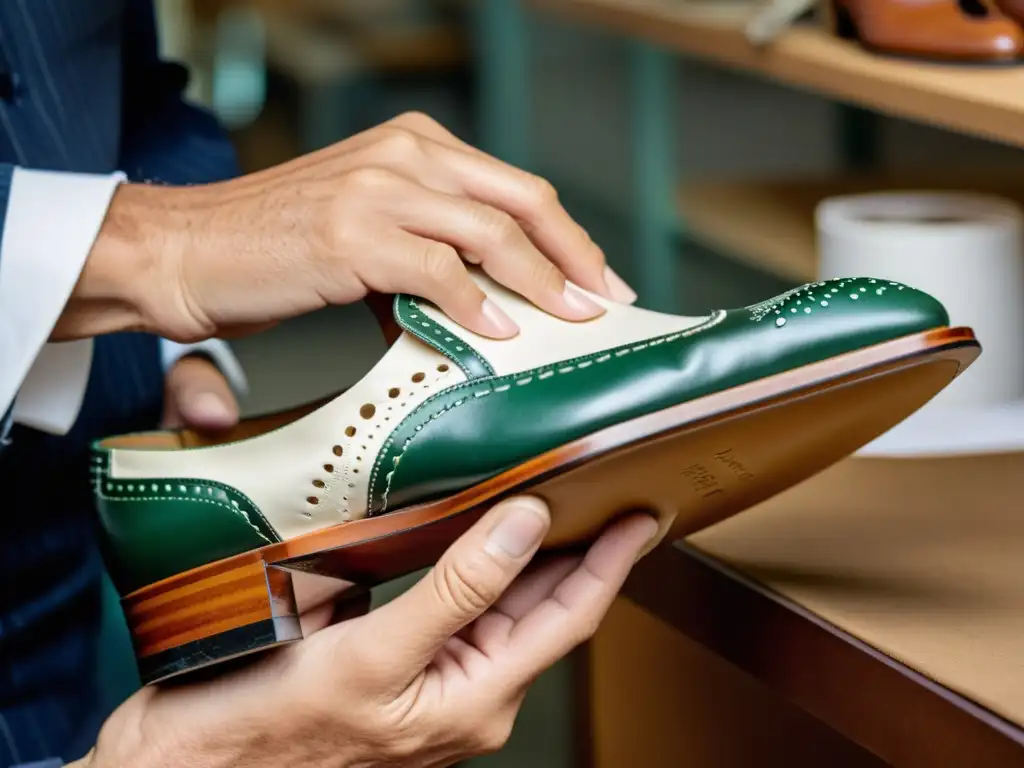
981,101
769,224
875,701
313,54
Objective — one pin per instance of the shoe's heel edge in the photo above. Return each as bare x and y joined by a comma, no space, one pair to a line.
218,649
210,615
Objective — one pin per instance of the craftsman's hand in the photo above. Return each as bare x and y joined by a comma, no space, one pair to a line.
402,207
197,396
433,677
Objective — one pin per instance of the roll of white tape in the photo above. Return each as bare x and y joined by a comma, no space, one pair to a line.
966,250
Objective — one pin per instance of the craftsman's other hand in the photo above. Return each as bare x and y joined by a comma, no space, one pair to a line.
433,677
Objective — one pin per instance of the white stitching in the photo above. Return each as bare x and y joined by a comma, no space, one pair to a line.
429,324
374,473
105,478
713,321
405,445
190,498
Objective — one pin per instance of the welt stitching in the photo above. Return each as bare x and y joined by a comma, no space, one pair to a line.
524,378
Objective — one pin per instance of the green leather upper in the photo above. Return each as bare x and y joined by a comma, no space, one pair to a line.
157,527
480,428
409,316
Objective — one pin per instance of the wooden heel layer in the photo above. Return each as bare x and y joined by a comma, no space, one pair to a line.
209,615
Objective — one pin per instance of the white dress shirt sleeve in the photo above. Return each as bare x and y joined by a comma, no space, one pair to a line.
52,221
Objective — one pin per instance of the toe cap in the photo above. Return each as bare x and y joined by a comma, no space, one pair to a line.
832,317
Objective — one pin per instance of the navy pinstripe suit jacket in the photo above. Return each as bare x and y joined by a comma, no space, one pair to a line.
81,89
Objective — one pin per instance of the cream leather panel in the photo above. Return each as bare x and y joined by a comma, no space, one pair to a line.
280,471
277,470
544,339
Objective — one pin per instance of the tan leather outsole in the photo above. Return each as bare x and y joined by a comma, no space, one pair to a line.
693,465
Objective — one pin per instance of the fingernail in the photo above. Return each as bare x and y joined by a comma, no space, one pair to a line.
581,305
208,408
618,288
520,530
651,527
501,324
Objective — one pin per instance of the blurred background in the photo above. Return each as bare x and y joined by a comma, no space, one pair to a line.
698,181
567,101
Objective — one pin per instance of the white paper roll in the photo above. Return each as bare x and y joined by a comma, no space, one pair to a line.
966,250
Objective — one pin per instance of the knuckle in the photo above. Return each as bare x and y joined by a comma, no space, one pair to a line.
543,272
416,119
540,192
399,143
499,228
464,585
368,179
437,262
586,628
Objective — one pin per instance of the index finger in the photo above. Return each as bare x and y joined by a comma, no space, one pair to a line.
534,203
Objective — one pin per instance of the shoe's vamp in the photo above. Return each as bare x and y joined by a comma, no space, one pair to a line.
315,471
544,339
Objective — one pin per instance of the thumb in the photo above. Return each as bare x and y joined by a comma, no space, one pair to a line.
466,581
200,396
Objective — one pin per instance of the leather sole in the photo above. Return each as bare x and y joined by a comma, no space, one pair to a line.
693,464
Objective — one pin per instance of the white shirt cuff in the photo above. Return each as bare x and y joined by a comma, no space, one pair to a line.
219,352
51,394
52,221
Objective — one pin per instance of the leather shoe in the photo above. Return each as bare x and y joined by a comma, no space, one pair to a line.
944,30
692,418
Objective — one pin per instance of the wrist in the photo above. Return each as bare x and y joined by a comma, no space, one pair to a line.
108,296
127,283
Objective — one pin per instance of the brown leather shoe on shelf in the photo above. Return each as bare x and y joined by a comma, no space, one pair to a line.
1012,8
944,30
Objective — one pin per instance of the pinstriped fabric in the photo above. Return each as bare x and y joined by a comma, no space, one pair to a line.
90,95
6,422
6,172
